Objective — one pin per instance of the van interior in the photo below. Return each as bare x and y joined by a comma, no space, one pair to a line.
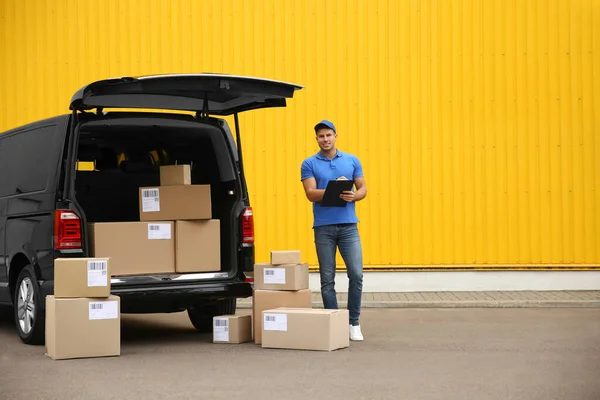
117,157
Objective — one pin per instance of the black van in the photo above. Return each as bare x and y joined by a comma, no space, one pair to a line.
47,200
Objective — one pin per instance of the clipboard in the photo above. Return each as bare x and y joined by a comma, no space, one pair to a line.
331,197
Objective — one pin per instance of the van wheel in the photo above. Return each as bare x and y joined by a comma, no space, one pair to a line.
27,305
202,316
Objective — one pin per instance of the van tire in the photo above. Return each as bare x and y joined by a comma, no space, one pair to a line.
29,312
202,317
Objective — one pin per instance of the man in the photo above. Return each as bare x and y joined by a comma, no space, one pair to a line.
336,227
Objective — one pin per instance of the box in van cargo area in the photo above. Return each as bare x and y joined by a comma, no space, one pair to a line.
198,246
135,248
170,203
175,175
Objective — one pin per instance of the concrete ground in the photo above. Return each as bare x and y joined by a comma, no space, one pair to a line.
422,353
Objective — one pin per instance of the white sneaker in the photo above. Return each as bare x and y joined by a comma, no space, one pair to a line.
356,334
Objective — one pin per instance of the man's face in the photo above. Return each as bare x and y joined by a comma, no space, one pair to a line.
326,138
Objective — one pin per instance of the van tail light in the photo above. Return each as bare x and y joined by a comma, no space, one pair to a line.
67,230
248,227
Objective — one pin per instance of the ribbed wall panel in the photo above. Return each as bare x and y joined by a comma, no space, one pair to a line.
477,121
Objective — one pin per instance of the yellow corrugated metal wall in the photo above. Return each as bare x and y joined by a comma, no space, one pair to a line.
477,121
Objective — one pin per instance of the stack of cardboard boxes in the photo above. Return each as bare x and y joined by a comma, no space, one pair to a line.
282,283
292,323
175,227
282,311
82,318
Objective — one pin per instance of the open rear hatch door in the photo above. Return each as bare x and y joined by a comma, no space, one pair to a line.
207,94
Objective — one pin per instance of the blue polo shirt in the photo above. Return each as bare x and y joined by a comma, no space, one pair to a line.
323,170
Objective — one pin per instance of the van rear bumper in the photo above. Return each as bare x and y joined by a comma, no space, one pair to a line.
168,298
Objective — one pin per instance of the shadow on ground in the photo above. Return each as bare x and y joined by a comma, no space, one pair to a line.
6,315
139,329
147,329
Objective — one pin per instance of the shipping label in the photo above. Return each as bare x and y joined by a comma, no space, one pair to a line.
104,310
275,276
159,231
150,200
275,322
97,273
221,329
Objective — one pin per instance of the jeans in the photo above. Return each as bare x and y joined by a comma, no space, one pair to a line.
346,238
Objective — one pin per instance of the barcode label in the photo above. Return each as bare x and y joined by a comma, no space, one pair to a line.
275,322
97,273
150,193
104,310
96,265
150,200
220,329
159,231
274,276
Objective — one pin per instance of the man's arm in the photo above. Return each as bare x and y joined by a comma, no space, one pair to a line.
359,194
359,182
310,188
361,189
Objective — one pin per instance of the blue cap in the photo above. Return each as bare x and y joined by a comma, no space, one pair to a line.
325,124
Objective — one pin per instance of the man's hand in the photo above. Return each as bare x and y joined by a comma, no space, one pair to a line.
347,195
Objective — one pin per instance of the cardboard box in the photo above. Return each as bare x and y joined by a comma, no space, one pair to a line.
232,329
286,257
175,175
82,277
281,277
198,246
268,299
83,327
135,248
170,203
302,329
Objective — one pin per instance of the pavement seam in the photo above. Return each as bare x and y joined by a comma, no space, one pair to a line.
463,304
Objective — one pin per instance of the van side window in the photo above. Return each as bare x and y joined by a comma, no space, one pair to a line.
26,160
